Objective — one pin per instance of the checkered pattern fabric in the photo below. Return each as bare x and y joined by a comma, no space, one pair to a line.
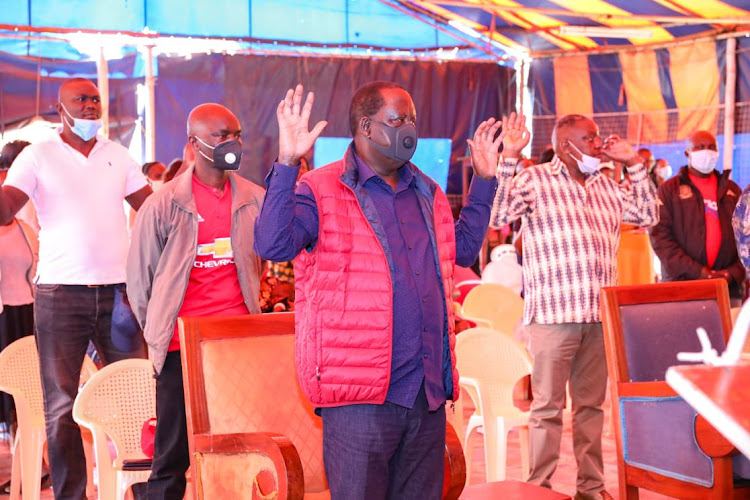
570,233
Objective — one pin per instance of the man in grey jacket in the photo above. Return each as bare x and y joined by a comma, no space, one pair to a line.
192,255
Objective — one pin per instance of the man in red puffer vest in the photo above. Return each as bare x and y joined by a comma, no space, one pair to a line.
375,245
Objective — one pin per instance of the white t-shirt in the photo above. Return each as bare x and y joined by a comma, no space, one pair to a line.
83,236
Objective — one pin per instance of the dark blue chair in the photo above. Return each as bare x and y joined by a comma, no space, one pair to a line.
663,445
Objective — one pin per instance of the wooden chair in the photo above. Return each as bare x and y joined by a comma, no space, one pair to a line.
662,444
252,432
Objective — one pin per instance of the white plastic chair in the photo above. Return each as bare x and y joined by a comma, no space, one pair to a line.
493,306
114,404
19,377
490,363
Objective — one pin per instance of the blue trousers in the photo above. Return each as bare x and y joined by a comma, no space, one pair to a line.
384,451
66,318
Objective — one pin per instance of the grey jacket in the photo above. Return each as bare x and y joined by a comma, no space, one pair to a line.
163,249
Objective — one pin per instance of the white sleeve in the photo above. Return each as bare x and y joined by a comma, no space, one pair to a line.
22,174
134,178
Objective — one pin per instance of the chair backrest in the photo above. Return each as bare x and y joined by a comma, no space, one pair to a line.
495,362
645,326
116,402
19,377
240,381
495,303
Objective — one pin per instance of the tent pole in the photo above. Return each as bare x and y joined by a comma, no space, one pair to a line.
102,71
150,127
520,70
729,104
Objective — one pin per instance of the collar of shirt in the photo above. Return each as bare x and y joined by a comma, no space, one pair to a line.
101,141
365,173
217,193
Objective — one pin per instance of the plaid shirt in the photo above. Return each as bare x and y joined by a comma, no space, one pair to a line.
570,234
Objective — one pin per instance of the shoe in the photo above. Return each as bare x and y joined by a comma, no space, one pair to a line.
603,495
46,483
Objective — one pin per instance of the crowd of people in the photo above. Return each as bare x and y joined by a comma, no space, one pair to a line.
371,237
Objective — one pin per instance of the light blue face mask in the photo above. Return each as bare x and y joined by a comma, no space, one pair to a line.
85,129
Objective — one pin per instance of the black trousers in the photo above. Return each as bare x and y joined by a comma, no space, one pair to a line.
171,452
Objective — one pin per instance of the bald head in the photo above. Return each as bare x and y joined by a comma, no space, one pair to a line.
74,86
78,98
206,116
702,139
563,129
648,159
209,125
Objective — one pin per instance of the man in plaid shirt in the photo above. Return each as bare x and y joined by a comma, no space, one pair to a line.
571,218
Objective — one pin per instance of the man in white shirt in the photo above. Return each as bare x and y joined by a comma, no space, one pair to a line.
77,182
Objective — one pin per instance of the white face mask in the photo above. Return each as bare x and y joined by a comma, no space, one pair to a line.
85,129
587,164
665,172
704,160
155,185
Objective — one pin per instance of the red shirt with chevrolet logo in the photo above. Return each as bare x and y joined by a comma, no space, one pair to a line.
214,288
708,187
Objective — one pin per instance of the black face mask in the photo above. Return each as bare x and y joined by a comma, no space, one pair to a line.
402,141
226,155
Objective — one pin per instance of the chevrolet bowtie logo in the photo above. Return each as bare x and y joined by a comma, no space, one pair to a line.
221,248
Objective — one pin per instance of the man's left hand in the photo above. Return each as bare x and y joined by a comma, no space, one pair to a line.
617,149
723,274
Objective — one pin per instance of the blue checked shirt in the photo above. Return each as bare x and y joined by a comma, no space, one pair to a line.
571,234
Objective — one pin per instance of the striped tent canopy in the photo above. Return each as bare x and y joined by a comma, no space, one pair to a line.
653,71
541,28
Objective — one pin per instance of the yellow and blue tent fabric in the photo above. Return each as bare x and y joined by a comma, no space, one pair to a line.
533,26
662,95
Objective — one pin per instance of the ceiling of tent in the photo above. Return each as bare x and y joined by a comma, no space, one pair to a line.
339,27
543,27
489,29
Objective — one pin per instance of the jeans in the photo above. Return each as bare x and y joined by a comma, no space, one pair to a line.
374,452
66,318
171,453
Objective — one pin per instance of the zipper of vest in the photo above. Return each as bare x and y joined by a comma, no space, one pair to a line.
317,372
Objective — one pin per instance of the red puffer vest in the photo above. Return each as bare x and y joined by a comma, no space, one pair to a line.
344,294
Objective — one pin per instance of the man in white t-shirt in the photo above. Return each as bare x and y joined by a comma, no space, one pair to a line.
77,182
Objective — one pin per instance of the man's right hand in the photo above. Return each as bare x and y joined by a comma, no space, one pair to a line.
294,137
514,136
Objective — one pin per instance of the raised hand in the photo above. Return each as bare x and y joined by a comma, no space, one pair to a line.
617,149
517,136
485,148
294,137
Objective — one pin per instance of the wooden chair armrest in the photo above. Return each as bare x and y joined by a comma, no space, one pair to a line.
279,449
454,477
710,441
